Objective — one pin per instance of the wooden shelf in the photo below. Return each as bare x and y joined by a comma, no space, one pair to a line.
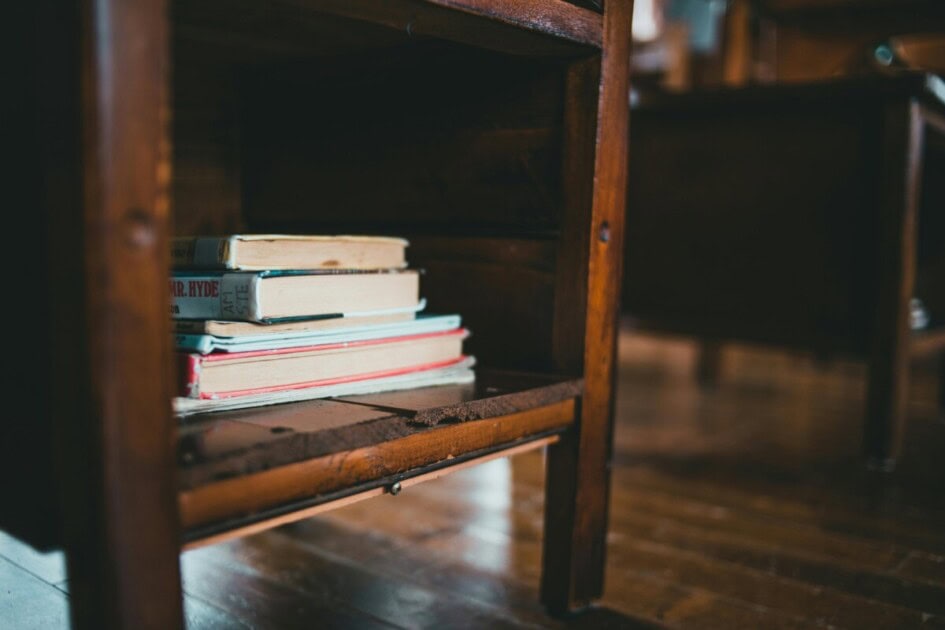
499,124
243,467
535,28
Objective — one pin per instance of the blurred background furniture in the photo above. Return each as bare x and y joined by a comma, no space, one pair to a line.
787,184
801,216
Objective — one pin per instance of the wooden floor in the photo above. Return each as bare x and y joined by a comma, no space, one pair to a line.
744,505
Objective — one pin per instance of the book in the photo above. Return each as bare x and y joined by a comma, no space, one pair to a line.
257,372
257,252
459,372
425,324
275,296
224,328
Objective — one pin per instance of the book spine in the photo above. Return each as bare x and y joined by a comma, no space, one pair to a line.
189,327
230,296
189,385
194,343
203,253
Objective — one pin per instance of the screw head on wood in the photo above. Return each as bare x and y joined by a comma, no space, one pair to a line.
395,488
604,233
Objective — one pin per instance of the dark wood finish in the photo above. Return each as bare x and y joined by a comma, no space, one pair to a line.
292,513
122,527
469,143
512,327
811,40
941,387
570,313
709,363
927,343
491,24
580,124
887,394
714,524
574,548
358,469
724,243
441,120
494,393
217,446
545,28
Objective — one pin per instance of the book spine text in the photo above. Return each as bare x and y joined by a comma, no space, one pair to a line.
202,253
231,296
189,374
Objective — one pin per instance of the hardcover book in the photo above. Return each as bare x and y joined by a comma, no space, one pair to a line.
456,373
275,296
257,252
224,328
425,324
257,372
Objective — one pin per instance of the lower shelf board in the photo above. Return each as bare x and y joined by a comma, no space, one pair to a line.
246,467
211,536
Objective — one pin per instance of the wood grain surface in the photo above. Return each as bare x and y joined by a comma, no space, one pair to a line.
739,505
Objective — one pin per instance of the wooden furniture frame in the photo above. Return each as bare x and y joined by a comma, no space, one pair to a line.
117,155
810,217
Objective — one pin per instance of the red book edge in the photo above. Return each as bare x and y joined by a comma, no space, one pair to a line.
192,363
224,356
331,381
188,372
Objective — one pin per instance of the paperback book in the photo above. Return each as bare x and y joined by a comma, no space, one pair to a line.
352,332
457,373
225,328
278,296
230,375
259,252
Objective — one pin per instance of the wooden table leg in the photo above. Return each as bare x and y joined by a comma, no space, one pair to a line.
709,363
941,388
587,289
896,261
116,444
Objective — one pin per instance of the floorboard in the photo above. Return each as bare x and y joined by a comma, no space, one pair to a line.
738,501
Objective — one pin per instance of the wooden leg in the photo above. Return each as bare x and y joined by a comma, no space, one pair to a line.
887,397
560,499
709,363
576,506
585,324
941,388
889,355
116,443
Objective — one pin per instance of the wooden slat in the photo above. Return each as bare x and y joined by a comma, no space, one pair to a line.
494,393
119,482
406,482
578,477
247,494
895,273
508,26
222,445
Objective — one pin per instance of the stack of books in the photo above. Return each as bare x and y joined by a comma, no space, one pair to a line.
267,319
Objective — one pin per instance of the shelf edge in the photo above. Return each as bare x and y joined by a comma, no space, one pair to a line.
328,476
292,516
